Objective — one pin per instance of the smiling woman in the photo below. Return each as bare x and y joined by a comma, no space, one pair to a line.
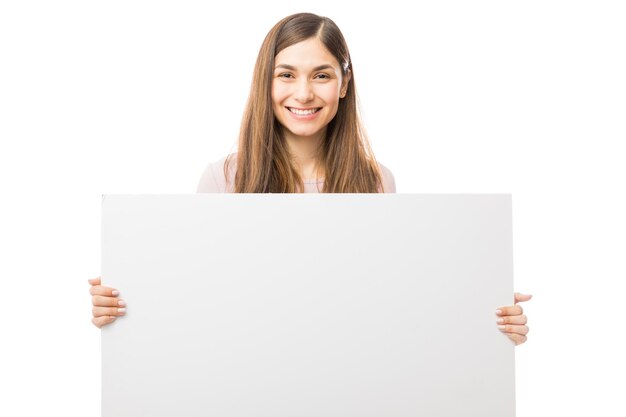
301,124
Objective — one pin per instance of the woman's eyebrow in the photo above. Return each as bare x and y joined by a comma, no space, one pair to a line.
292,68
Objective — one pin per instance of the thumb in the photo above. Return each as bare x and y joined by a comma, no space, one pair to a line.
522,297
94,281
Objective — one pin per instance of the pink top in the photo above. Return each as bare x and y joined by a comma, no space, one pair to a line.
213,181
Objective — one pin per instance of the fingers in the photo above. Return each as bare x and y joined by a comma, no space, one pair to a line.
108,311
514,329
107,306
517,333
97,289
515,310
106,291
512,321
100,301
518,339
101,321
519,297
94,281
521,319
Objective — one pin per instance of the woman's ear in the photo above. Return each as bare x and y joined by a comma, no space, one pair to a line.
344,84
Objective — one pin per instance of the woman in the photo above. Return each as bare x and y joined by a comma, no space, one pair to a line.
300,133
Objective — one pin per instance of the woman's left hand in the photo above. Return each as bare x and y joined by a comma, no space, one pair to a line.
512,321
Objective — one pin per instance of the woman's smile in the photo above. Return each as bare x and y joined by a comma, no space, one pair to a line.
304,114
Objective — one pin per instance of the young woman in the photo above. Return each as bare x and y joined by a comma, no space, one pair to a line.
300,133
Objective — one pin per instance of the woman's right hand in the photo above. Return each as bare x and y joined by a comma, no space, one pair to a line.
107,306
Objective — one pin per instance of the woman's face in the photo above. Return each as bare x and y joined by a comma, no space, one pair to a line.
306,88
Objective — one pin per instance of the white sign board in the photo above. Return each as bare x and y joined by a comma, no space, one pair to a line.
308,305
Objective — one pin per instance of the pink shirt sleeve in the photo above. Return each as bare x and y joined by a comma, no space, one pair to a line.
389,182
212,179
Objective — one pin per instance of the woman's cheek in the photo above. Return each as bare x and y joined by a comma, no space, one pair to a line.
279,92
329,92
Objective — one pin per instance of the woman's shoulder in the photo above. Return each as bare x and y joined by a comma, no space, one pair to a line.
213,179
389,182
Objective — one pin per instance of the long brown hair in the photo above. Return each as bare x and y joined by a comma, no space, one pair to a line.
264,163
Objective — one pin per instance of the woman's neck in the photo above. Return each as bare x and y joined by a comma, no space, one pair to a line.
306,154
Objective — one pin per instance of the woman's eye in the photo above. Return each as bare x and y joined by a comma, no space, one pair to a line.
323,76
284,75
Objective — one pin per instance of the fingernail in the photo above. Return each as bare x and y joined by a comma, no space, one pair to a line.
500,320
115,292
501,327
121,303
498,312
121,310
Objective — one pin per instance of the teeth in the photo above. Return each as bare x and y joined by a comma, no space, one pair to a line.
302,112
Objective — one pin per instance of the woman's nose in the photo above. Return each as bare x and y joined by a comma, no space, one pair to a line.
303,92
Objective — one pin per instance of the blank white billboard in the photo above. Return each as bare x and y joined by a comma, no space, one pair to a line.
308,305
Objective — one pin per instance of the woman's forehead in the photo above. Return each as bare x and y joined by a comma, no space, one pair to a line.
308,54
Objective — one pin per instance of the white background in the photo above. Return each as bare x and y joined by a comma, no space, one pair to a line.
126,96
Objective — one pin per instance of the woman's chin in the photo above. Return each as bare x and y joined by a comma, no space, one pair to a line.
305,133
